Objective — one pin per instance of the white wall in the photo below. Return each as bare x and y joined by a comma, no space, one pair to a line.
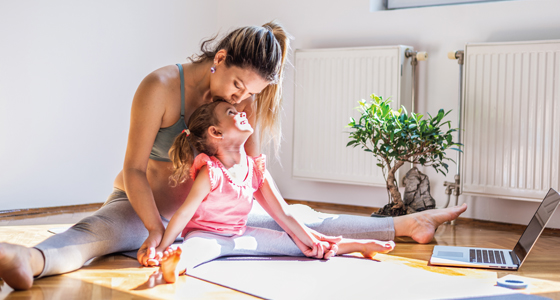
437,30
68,72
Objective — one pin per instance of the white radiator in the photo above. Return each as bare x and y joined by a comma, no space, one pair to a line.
328,85
511,117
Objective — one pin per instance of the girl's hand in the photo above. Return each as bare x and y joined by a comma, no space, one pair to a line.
320,246
147,252
314,250
328,243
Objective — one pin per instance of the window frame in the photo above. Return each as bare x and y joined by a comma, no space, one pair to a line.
400,4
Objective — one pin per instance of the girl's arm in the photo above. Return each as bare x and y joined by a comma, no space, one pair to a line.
200,189
270,199
252,148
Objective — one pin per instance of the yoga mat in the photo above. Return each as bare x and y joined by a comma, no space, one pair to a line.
342,277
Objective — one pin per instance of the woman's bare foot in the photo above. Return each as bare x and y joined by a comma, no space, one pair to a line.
422,226
168,264
18,265
368,248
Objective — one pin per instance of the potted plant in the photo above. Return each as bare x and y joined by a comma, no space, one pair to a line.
395,138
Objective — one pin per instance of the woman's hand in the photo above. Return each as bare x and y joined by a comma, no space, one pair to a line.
147,252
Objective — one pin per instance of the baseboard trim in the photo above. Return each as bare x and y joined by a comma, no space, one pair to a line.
54,210
355,209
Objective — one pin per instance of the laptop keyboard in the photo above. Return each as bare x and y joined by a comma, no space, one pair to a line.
487,256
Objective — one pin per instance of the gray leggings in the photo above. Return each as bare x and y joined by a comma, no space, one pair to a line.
116,227
203,246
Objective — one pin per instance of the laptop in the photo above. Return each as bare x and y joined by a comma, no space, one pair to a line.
500,258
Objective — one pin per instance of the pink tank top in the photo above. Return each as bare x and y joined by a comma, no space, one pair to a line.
227,206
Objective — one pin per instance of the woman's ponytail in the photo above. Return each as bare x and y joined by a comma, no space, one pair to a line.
269,100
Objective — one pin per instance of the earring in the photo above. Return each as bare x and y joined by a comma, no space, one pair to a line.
213,69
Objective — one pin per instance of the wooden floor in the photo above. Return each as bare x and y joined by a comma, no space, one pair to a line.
119,277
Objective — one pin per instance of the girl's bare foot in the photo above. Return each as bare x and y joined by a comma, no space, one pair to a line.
368,248
16,265
168,264
372,247
422,226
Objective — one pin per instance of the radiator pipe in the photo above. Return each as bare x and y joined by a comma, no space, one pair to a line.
455,187
415,57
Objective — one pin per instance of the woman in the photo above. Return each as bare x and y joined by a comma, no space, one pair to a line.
245,69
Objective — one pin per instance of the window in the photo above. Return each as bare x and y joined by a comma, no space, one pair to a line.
396,4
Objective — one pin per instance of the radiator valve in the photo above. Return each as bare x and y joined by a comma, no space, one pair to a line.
416,56
453,187
459,55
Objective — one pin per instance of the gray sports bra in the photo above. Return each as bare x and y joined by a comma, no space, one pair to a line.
166,136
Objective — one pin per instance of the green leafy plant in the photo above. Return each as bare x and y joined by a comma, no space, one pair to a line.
395,138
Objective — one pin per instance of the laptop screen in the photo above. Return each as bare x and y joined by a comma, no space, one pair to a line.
537,225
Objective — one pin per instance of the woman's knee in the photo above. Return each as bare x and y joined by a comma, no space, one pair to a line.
94,225
119,232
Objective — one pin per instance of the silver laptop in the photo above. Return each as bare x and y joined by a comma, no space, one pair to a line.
500,258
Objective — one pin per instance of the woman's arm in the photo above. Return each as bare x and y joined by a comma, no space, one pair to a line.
200,189
147,114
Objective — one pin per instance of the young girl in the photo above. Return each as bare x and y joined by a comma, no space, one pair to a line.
213,217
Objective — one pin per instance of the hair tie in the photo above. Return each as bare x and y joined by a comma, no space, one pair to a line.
187,132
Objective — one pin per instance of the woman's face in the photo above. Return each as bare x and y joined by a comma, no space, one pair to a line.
235,84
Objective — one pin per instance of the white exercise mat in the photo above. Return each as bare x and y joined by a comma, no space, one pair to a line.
339,278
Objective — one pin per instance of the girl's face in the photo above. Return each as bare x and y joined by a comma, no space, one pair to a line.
232,124
234,84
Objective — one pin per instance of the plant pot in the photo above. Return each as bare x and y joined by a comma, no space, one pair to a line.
388,211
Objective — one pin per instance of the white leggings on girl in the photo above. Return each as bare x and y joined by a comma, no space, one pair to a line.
203,246
116,227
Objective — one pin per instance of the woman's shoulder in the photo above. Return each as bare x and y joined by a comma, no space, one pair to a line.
164,77
161,84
